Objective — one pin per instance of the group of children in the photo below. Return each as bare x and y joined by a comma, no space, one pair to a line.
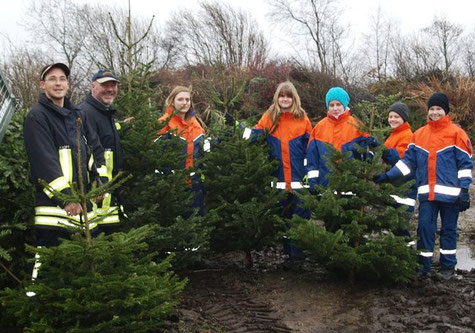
438,156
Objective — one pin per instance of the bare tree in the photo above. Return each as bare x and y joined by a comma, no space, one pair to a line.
22,69
469,54
217,33
447,36
315,24
377,45
57,28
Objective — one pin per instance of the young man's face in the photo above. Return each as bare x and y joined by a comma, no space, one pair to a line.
435,113
105,92
335,108
55,85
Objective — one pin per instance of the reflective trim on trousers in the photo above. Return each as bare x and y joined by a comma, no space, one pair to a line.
404,201
442,251
426,254
440,189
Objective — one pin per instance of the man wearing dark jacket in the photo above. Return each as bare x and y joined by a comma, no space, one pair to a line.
99,114
50,135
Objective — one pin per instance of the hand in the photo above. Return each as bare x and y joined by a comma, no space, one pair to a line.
73,209
463,200
99,198
381,178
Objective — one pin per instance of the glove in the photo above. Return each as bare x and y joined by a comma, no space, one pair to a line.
372,142
463,200
381,178
229,119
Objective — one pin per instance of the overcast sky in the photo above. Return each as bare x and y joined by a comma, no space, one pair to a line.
410,15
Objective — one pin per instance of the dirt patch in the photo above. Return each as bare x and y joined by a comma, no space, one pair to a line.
276,297
296,300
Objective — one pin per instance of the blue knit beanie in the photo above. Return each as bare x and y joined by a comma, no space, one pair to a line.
339,94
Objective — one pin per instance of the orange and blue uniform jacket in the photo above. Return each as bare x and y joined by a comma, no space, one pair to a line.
288,140
397,143
189,131
440,154
341,133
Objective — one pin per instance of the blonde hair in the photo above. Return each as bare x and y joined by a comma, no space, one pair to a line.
286,88
171,98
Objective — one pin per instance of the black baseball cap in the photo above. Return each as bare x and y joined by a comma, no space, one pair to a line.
47,68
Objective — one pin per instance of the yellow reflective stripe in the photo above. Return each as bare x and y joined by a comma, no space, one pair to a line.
106,202
90,163
60,213
105,211
109,159
58,184
66,161
110,219
102,171
118,126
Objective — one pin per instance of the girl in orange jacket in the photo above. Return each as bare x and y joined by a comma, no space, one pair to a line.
288,129
182,122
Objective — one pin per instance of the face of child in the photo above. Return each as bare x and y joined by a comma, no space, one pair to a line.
335,108
395,120
285,102
435,113
182,102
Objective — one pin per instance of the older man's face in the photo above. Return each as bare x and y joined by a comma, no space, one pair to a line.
104,92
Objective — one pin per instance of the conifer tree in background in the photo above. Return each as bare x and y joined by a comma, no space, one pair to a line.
16,212
238,176
159,193
357,223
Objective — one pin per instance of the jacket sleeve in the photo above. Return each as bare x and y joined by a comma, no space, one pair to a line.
44,157
313,162
404,166
258,129
97,151
463,155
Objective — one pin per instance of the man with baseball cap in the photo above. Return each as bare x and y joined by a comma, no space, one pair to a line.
99,113
51,141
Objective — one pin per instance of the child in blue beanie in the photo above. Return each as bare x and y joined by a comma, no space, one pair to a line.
339,128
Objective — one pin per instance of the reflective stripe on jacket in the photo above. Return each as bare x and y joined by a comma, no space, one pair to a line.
440,154
341,133
288,140
50,135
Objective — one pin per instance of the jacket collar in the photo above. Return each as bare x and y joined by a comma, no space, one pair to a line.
64,111
441,123
342,118
401,128
98,105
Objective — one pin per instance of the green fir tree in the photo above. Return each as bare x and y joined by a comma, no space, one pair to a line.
238,175
159,193
357,222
